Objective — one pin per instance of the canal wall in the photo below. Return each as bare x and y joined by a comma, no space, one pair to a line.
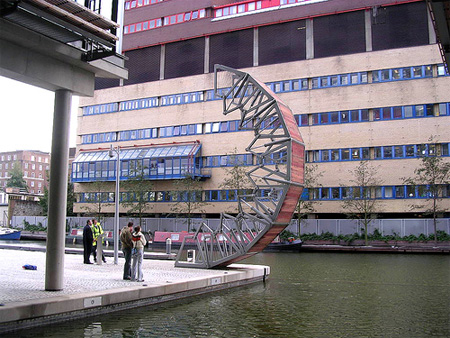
400,227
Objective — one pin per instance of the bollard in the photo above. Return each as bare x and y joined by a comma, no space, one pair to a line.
168,246
191,256
99,249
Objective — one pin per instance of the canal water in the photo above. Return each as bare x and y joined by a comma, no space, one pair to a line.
306,295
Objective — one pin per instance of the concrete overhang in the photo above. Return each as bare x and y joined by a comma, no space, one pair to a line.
440,12
45,54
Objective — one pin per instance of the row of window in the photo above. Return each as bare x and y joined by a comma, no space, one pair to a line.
276,86
7,166
314,194
14,158
129,4
165,21
247,7
377,153
238,9
347,116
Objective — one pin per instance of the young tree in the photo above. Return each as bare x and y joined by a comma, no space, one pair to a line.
99,196
43,200
16,179
236,179
139,190
360,202
432,178
307,206
187,196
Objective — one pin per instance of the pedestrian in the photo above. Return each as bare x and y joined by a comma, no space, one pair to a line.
88,239
127,246
139,242
97,231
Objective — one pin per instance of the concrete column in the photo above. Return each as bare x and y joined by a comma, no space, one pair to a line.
255,47
206,65
56,230
309,39
162,63
368,28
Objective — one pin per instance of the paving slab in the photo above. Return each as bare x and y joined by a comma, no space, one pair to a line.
25,303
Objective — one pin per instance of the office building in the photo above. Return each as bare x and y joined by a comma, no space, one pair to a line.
365,80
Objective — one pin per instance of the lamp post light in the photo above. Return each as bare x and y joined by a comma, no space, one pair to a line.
116,204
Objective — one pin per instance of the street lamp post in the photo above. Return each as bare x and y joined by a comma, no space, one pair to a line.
116,204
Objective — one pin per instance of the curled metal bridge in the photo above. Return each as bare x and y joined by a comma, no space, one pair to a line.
279,149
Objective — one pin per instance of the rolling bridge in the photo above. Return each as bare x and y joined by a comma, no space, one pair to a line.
279,149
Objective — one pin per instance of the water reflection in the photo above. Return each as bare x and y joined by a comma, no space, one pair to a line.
307,295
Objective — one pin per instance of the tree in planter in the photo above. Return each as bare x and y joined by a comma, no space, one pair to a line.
139,191
98,197
236,180
307,206
359,201
187,197
431,178
16,179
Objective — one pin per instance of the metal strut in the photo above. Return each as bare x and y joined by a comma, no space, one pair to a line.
279,149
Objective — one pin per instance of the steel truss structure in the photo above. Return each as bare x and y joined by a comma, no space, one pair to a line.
279,149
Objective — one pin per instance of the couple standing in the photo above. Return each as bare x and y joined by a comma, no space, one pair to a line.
133,244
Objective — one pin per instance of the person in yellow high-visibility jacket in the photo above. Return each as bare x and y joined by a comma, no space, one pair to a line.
96,231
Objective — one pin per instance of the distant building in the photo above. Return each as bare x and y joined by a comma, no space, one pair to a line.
34,165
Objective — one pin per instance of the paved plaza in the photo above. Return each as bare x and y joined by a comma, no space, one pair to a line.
18,284
25,303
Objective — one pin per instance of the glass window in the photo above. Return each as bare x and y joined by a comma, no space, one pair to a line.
356,153
442,109
388,192
334,80
408,111
334,117
398,151
385,75
354,78
344,79
406,72
387,152
417,71
324,81
324,193
315,83
387,113
364,115
345,154
419,110
409,151
396,74
325,155
397,112
335,155
354,115
344,116
410,191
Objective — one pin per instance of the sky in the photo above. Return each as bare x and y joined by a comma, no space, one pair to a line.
26,112
26,117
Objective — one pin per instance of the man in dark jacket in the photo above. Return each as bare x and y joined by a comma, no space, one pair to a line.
127,245
88,238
